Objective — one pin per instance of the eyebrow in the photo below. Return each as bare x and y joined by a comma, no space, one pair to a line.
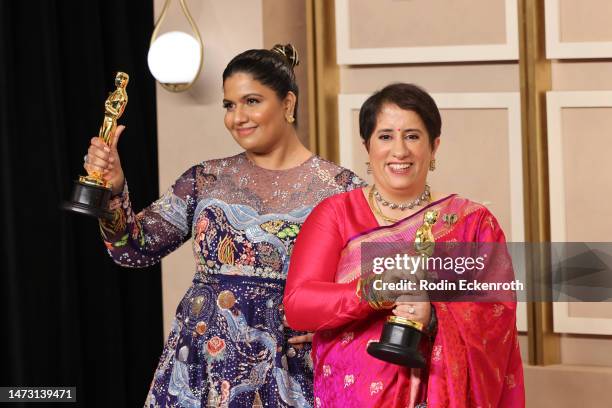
249,95
404,130
252,94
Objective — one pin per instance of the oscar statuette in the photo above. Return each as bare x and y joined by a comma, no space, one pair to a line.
91,194
399,341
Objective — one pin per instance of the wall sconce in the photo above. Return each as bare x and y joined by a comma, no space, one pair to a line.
175,58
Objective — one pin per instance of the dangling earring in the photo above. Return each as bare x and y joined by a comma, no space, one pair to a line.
290,118
432,165
369,167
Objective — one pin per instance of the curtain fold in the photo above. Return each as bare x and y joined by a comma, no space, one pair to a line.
70,317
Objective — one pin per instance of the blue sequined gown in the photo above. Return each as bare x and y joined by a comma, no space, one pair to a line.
228,346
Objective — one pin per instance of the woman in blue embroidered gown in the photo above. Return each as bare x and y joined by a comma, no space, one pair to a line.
229,346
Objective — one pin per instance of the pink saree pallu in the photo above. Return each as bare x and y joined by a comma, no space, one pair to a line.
474,358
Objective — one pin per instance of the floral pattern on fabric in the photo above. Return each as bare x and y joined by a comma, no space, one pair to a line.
473,360
228,346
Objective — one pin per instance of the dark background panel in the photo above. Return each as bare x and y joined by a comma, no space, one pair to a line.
70,316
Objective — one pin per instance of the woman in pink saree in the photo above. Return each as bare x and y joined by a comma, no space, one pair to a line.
471,348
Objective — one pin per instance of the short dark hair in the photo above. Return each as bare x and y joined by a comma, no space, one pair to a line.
407,97
272,68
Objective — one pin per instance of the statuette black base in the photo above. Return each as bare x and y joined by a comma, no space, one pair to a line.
90,200
399,344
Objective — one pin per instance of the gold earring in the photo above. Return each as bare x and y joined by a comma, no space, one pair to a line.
290,118
432,165
369,167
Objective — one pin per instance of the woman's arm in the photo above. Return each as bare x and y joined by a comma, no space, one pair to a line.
139,240
313,301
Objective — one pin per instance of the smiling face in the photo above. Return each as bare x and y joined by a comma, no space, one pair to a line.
400,153
254,114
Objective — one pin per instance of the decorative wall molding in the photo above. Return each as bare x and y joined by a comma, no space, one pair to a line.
398,55
555,102
556,49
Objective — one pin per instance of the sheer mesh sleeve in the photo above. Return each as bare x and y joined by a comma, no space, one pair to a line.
139,240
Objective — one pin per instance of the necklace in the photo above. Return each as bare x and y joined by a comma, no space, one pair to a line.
424,198
377,210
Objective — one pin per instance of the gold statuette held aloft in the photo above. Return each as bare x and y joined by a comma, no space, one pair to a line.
91,194
113,109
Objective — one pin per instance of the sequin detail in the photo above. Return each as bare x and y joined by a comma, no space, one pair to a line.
172,209
228,346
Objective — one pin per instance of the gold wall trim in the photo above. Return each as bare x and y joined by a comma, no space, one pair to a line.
535,77
323,79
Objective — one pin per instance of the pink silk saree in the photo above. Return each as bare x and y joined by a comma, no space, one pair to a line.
474,360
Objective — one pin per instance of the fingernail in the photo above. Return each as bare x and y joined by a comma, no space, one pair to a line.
112,159
106,149
292,341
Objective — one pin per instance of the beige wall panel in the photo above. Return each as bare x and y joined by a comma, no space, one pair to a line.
566,386
284,21
392,23
591,310
578,29
473,160
466,134
586,350
585,20
523,345
587,149
434,78
582,75
579,154
190,124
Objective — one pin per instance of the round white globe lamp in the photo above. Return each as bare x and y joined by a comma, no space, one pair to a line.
175,57
175,60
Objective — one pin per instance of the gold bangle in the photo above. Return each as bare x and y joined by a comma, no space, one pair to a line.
364,284
387,304
374,305
382,303
373,293
372,297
